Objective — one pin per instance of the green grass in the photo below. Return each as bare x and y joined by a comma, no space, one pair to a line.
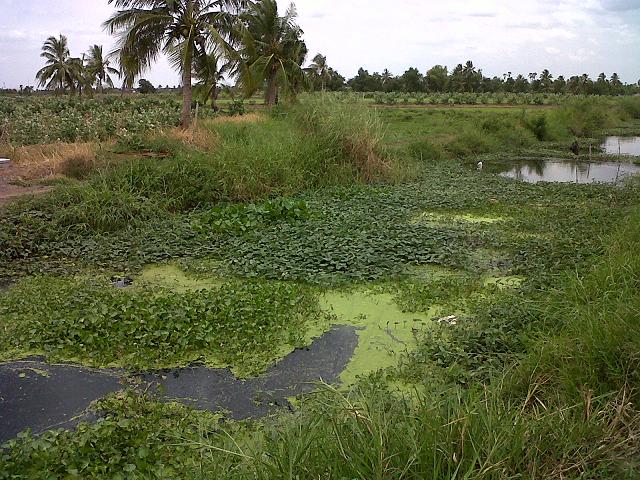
504,132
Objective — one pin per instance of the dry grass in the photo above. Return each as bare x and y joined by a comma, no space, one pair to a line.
202,136
50,160
247,118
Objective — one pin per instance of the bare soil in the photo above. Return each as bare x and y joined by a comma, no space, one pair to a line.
10,189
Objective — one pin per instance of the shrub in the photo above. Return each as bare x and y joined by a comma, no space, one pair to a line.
348,127
77,166
538,125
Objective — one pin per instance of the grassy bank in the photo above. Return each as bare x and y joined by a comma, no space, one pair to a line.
433,134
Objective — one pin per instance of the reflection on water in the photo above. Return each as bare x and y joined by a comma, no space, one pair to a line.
622,146
556,170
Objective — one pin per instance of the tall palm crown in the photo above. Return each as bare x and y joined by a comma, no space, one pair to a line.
180,29
211,69
273,49
99,68
58,71
320,70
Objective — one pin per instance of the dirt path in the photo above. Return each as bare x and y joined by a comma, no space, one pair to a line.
9,191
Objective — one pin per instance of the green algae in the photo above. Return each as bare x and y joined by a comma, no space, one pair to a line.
174,278
443,219
384,331
511,281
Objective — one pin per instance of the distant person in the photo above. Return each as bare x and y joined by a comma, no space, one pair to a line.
575,148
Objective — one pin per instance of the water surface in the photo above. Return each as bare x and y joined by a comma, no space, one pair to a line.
622,146
566,171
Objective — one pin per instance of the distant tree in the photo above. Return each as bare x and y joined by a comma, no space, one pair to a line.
145,87
616,84
80,80
336,81
99,68
437,78
58,70
386,77
365,82
210,68
319,72
520,85
412,80
272,50
471,78
559,85
546,80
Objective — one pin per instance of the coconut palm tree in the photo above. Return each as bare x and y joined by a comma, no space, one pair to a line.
79,79
99,68
211,69
320,70
58,70
272,50
180,29
546,80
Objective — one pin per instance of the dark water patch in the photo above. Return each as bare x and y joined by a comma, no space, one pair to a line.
622,146
38,396
215,390
565,171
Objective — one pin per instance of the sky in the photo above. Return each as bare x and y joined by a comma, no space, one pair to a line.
521,36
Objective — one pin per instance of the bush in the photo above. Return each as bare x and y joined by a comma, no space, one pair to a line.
425,151
347,127
471,142
77,166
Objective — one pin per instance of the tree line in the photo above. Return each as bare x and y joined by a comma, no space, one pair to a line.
468,78
249,42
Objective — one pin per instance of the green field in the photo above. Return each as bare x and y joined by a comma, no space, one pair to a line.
249,237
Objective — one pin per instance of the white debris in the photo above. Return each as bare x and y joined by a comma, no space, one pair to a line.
450,320
5,161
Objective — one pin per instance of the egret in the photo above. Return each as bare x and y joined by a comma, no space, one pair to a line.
480,165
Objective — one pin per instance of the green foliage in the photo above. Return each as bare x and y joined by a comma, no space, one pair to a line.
593,327
347,127
239,324
49,120
535,381
537,124
145,87
236,107
78,167
246,217
134,439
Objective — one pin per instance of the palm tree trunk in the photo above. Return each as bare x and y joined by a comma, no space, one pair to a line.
187,91
272,90
214,97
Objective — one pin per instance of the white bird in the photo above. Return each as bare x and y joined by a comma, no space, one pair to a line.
480,165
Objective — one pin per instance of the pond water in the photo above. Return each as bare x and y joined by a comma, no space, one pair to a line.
622,146
565,171
40,396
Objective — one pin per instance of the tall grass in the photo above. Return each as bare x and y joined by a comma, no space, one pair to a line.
346,126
